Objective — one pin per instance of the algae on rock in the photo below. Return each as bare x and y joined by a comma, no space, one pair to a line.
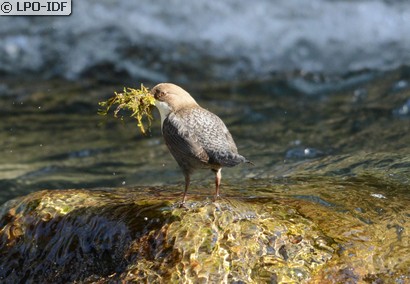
133,235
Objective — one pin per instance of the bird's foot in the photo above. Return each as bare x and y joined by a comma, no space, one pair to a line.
183,205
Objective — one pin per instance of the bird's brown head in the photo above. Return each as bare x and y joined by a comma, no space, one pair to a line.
171,98
172,95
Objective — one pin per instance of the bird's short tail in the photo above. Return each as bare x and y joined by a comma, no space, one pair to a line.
242,159
232,160
249,162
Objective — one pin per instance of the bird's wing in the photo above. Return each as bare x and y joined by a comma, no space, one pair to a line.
212,135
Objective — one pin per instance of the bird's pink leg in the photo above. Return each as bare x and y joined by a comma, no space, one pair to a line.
218,177
187,181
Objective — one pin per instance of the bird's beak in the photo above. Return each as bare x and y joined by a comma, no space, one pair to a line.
153,94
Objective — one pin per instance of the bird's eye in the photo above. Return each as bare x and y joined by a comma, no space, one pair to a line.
159,94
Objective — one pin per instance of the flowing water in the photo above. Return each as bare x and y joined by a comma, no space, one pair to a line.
337,150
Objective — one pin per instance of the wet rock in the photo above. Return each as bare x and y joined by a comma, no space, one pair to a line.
141,235
403,111
303,229
301,153
400,86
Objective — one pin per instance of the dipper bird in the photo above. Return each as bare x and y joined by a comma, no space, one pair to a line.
196,138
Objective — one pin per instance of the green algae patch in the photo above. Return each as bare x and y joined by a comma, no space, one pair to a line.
138,101
134,236
141,235
236,242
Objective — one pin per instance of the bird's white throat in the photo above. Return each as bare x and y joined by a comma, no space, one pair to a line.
164,110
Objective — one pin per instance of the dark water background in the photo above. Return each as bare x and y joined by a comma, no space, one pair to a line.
288,125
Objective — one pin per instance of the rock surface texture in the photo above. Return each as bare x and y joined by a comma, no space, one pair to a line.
141,235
